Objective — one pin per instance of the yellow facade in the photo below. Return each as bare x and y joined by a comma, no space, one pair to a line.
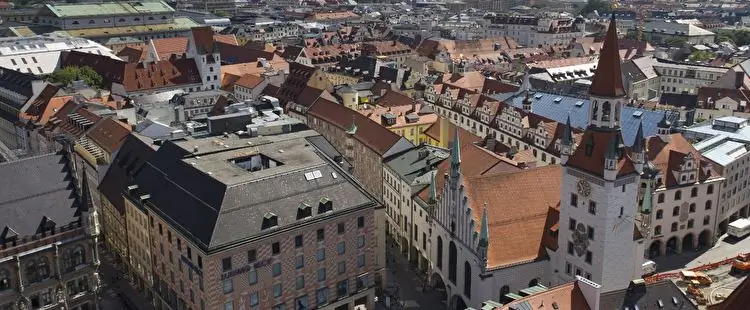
414,133
445,134
341,79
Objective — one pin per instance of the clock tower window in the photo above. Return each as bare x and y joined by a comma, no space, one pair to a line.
574,200
592,207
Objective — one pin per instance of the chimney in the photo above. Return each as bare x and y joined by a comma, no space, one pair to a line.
382,92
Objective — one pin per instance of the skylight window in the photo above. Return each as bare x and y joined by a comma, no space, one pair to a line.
255,162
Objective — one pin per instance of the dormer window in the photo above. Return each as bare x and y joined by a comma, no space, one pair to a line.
270,220
303,211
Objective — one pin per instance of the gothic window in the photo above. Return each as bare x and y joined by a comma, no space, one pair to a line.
4,280
440,252
467,279
606,110
504,290
595,110
77,257
31,272
43,268
452,262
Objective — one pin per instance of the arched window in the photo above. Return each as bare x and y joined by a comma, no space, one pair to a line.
710,189
694,192
137,19
91,21
533,282
78,257
452,262
676,211
122,20
4,280
659,214
617,112
43,267
150,18
75,22
677,195
657,230
708,205
674,226
440,253
692,208
467,279
595,110
32,274
504,290
606,111
661,198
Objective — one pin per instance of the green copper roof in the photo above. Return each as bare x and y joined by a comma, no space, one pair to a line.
109,9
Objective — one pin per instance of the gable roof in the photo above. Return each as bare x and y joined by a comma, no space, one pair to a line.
164,73
133,153
42,186
566,296
371,134
592,160
109,134
519,218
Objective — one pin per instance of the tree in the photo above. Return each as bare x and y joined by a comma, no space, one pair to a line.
68,75
701,56
221,13
596,5
676,42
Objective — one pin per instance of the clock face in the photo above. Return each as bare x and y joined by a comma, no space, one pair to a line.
580,239
584,188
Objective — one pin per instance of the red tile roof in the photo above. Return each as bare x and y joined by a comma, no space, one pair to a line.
669,156
593,160
109,134
165,73
393,98
204,39
371,134
519,219
249,81
566,296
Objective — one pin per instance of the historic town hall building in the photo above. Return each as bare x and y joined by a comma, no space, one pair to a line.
498,228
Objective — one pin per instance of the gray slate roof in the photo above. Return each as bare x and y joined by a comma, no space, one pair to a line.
34,188
218,203
557,107
647,298
409,165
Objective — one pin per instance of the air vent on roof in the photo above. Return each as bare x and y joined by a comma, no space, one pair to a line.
538,96
579,104
660,303
558,99
674,301
132,187
145,197
637,114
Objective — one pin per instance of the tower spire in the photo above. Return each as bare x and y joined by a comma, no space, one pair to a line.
607,81
455,155
484,239
638,150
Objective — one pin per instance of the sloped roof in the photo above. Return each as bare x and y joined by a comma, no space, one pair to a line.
566,296
607,81
164,73
109,134
249,81
592,160
519,218
371,134
131,157
42,187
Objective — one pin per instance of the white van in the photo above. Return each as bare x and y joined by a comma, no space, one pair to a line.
649,267
739,228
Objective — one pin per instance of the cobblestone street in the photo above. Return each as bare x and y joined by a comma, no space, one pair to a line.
406,286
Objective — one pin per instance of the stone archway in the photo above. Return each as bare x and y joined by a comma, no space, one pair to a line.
704,239
438,285
457,303
687,242
655,249
672,245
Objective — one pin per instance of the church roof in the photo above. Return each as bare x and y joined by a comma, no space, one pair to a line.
592,151
519,219
607,81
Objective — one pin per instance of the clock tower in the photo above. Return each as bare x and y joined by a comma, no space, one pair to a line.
597,238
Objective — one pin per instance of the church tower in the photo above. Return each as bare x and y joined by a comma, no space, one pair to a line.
205,52
599,195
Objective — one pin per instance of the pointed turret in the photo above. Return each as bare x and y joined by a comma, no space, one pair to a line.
567,145
484,240
646,205
432,200
86,203
663,128
526,106
638,151
608,79
455,157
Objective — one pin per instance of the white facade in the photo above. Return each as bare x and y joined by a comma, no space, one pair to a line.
40,55
532,32
208,63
